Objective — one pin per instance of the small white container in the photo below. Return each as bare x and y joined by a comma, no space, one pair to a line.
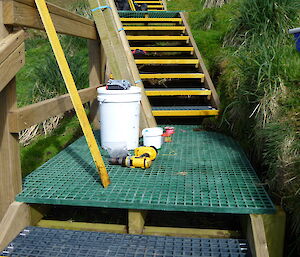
153,137
119,117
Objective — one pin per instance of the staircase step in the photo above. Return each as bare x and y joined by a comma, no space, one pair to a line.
127,28
45,242
164,48
177,91
151,19
148,2
155,38
167,61
184,111
173,76
155,6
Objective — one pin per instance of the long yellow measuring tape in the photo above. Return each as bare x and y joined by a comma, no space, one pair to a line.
70,84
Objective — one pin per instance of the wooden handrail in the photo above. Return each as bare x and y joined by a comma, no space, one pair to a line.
24,13
27,116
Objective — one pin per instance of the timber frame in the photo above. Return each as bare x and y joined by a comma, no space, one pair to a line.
265,239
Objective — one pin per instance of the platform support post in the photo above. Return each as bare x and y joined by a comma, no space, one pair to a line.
10,170
274,225
97,62
136,221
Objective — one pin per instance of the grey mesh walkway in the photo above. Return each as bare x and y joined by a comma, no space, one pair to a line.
43,242
198,172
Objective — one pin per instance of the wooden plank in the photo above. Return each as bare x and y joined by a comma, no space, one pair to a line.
190,232
11,65
96,76
27,116
257,236
15,220
208,82
20,14
136,221
70,84
83,226
10,43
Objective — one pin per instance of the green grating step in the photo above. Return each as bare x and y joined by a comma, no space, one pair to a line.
184,111
198,172
45,242
149,14
177,91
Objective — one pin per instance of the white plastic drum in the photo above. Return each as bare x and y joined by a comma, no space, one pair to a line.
119,117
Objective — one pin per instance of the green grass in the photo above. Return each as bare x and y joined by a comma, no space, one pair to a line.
44,148
183,5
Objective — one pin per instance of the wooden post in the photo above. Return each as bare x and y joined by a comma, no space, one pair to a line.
136,221
97,62
10,171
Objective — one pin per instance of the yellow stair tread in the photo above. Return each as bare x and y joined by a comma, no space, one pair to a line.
153,19
167,61
184,111
172,76
148,2
164,48
177,91
149,38
155,6
154,28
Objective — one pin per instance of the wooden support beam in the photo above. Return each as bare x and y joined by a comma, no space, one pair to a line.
10,43
202,68
136,221
10,174
97,62
256,236
274,225
11,65
190,232
22,118
82,226
24,13
15,220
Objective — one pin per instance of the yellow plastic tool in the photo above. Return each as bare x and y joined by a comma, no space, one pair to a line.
70,84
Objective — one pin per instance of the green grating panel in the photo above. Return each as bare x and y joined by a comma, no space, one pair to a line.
150,14
199,171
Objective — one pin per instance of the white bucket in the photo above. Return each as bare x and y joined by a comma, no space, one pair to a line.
152,137
119,117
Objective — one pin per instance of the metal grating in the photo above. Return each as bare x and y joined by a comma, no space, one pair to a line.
199,171
44,242
150,14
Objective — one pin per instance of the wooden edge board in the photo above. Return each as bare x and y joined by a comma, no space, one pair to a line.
208,82
11,65
83,226
20,14
190,232
27,116
10,43
61,12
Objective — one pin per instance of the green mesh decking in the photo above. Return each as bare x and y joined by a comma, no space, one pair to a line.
199,172
150,14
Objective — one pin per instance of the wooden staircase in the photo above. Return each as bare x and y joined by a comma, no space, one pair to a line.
170,65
